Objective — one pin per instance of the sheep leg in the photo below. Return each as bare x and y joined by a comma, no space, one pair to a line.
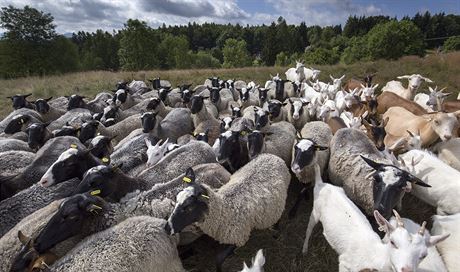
226,252
302,195
311,224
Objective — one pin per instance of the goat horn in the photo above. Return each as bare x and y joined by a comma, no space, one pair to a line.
398,219
369,175
422,229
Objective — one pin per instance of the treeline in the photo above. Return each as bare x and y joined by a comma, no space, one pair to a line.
31,46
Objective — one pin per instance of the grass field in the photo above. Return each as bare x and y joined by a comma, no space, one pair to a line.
282,248
443,69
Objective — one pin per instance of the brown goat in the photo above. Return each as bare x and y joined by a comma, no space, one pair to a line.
387,100
336,123
353,83
451,106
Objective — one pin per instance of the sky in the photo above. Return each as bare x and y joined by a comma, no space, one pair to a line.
89,15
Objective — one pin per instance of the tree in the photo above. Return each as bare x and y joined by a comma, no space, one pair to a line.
282,60
452,44
174,52
356,50
138,48
235,54
204,59
395,39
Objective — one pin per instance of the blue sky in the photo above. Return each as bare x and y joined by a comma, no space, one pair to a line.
89,15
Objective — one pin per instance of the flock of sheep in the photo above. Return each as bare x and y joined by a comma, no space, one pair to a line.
119,182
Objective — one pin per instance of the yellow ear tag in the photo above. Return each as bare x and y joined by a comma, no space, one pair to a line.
105,160
95,192
73,146
194,134
98,134
243,133
205,196
186,180
22,121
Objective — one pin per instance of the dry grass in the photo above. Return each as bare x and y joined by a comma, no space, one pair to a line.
282,248
443,69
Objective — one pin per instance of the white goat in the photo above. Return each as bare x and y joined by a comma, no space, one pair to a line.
350,234
432,101
408,93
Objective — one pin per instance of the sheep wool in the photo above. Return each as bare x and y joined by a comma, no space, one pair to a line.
254,198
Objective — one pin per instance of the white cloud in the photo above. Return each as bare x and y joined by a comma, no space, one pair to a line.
89,15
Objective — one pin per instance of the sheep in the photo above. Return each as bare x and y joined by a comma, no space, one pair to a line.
277,111
387,100
125,100
137,87
282,134
408,93
66,130
151,249
13,145
344,225
157,106
75,117
20,101
203,120
230,213
59,103
95,106
14,123
177,161
13,162
448,224
72,163
350,166
433,261
177,123
158,83
38,134
47,112
445,188
312,148
432,126
120,130
232,150
297,115
101,147
220,98
448,152
43,159
247,98
257,263
156,202
19,206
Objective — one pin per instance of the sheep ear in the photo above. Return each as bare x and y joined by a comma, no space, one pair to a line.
384,225
371,163
48,99
321,148
25,240
189,176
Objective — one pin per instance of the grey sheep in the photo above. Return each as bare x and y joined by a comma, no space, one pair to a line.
44,158
253,198
26,202
74,117
321,135
150,249
33,118
14,145
59,103
178,122
118,131
177,161
47,112
13,162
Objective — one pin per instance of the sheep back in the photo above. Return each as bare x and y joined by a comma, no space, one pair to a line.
14,145
254,198
75,118
349,170
13,162
280,142
150,249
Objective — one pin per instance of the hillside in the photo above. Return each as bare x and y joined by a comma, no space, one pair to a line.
443,69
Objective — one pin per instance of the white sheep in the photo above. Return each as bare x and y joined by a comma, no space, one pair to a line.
408,93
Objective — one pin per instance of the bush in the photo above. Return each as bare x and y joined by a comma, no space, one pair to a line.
203,59
356,50
394,39
282,59
321,56
452,44
235,54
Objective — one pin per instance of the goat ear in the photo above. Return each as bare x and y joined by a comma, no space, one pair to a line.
410,133
438,238
385,122
384,225
427,80
371,163
416,180
403,77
